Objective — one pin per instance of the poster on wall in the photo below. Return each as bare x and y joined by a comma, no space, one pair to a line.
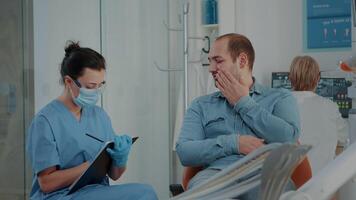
328,24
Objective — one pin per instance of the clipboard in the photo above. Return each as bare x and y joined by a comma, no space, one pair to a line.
96,171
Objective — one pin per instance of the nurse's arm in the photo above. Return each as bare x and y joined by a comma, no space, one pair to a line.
52,179
116,172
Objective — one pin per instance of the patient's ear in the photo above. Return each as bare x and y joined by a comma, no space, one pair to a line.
243,60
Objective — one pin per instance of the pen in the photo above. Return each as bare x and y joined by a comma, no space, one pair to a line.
94,137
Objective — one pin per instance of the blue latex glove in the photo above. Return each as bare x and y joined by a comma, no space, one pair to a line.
120,152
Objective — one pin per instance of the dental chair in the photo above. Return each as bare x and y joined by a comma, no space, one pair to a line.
301,174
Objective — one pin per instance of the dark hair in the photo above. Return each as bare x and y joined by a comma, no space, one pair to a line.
238,44
77,58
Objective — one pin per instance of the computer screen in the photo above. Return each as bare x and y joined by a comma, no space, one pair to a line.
334,89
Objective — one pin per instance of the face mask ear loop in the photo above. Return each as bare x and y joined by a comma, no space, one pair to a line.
71,91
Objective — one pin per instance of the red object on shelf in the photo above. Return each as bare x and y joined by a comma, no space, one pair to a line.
345,67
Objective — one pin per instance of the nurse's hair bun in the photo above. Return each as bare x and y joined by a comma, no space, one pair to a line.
71,47
77,59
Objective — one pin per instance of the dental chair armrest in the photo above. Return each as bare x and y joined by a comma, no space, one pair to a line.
176,189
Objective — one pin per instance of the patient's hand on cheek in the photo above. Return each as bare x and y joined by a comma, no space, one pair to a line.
230,87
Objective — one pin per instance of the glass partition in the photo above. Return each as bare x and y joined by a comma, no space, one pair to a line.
15,98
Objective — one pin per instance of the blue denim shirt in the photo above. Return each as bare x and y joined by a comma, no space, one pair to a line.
211,125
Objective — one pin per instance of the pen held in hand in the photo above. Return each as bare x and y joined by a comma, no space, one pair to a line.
133,139
94,137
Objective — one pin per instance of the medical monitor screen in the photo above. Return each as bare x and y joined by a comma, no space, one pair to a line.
334,89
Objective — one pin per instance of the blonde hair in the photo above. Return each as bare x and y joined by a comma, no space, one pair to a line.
304,73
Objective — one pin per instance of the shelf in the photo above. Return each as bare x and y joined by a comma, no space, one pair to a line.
210,25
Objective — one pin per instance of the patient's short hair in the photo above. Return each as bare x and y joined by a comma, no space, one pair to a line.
238,44
304,73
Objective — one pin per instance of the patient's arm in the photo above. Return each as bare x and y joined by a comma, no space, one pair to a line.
280,125
194,149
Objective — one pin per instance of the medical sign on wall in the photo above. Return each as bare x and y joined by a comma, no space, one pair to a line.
328,23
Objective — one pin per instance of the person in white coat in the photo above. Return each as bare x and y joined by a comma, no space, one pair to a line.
321,122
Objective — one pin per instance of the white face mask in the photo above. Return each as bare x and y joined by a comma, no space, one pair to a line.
86,97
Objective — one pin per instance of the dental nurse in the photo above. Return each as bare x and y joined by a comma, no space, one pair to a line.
58,144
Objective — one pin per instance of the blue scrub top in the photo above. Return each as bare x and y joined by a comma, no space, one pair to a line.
57,138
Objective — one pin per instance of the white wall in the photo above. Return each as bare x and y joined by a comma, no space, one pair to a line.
136,97
275,28
55,22
227,18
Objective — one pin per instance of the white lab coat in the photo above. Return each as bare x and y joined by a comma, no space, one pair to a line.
321,126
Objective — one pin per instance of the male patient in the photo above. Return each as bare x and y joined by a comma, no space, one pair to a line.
222,127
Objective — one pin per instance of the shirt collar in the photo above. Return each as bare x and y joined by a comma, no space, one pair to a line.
255,88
